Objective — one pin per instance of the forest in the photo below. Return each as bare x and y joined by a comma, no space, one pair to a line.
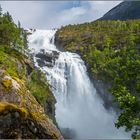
112,51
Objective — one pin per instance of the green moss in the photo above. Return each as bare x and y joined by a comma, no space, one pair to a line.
7,83
38,86
4,107
9,62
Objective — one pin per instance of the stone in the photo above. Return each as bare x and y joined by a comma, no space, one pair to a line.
7,82
47,58
24,119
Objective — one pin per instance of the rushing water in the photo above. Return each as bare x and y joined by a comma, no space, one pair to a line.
78,106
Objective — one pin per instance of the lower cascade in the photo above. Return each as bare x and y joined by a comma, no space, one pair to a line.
79,111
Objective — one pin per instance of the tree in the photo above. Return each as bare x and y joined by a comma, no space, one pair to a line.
19,25
0,11
8,17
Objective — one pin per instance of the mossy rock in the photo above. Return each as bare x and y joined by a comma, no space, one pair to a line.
19,102
7,83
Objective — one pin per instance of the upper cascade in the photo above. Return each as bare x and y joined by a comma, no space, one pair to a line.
41,39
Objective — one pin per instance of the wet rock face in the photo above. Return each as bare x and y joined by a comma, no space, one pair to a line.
50,110
103,90
68,133
13,126
21,116
46,58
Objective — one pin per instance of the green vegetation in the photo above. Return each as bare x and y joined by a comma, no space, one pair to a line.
11,34
112,51
38,86
16,62
10,61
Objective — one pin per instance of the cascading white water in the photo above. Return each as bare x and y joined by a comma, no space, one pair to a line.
78,106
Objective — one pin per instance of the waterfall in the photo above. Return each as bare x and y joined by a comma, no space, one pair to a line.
78,107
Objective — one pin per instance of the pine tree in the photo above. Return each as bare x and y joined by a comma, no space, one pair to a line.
8,17
19,25
0,11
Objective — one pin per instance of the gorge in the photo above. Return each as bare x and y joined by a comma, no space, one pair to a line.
80,81
79,109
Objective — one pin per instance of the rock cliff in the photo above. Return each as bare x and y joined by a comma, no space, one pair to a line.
24,112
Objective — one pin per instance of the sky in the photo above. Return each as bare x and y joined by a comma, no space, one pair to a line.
54,14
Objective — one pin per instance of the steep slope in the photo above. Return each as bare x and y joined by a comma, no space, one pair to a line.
27,105
110,50
124,11
21,116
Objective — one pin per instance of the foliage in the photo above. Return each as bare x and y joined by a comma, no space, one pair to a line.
39,87
10,33
10,62
13,39
112,50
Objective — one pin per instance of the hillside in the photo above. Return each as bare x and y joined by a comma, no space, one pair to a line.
111,52
105,52
124,11
27,105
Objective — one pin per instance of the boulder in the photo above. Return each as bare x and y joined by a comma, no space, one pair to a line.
21,116
47,58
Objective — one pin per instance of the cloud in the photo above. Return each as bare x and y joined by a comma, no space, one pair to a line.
49,14
69,16
97,9
27,12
